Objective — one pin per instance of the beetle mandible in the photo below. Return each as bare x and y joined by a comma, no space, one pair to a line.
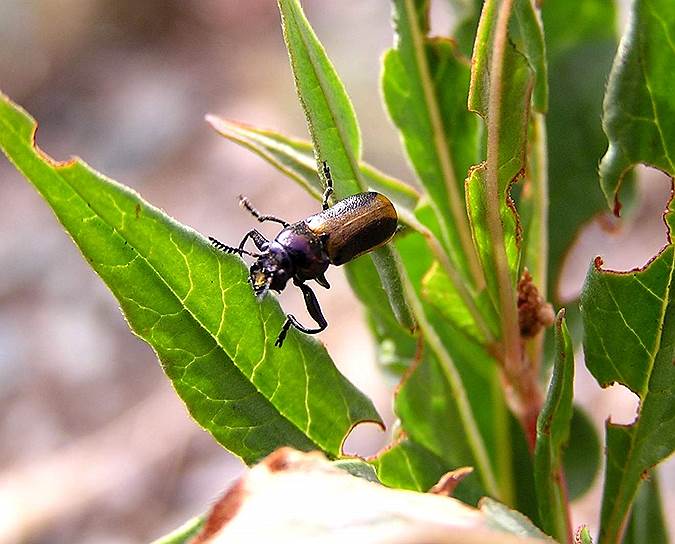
303,251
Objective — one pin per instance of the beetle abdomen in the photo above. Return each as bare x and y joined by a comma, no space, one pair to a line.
356,225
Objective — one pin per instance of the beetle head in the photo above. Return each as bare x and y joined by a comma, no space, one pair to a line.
271,270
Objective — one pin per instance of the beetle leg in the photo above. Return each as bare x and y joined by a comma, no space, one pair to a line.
229,249
258,239
329,185
322,281
314,310
246,203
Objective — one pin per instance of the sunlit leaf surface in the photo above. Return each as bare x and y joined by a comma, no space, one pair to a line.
194,306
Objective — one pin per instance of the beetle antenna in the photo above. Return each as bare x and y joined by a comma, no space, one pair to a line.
229,249
246,203
329,184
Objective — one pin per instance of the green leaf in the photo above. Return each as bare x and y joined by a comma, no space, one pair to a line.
442,294
407,465
553,430
295,158
581,457
397,345
194,306
647,523
441,402
466,15
501,517
425,86
330,115
511,139
388,268
639,103
358,468
334,129
580,41
528,36
629,338
183,534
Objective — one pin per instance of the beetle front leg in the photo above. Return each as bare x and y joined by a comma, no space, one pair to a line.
314,311
258,239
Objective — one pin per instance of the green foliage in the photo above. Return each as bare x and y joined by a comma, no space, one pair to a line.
441,299
407,465
580,43
183,534
553,430
646,522
639,103
629,324
194,307
425,85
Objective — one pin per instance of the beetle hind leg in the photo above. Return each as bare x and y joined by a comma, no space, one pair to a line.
314,310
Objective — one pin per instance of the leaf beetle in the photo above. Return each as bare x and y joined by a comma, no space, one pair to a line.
302,251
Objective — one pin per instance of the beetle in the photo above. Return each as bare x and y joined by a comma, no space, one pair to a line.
303,251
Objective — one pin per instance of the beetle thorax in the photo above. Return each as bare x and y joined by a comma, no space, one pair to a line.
305,249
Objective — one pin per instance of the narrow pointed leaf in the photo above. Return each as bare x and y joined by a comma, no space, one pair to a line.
396,344
388,267
639,103
441,401
358,468
295,158
425,85
517,81
442,294
553,430
333,126
501,516
528,35
467,15
194,306
330,114
581,457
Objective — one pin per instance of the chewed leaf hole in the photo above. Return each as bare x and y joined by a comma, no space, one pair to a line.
623,244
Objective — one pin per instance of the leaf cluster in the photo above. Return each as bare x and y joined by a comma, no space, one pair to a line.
504,146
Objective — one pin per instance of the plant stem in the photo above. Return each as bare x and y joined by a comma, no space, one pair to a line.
538,252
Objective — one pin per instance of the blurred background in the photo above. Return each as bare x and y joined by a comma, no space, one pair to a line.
95,447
